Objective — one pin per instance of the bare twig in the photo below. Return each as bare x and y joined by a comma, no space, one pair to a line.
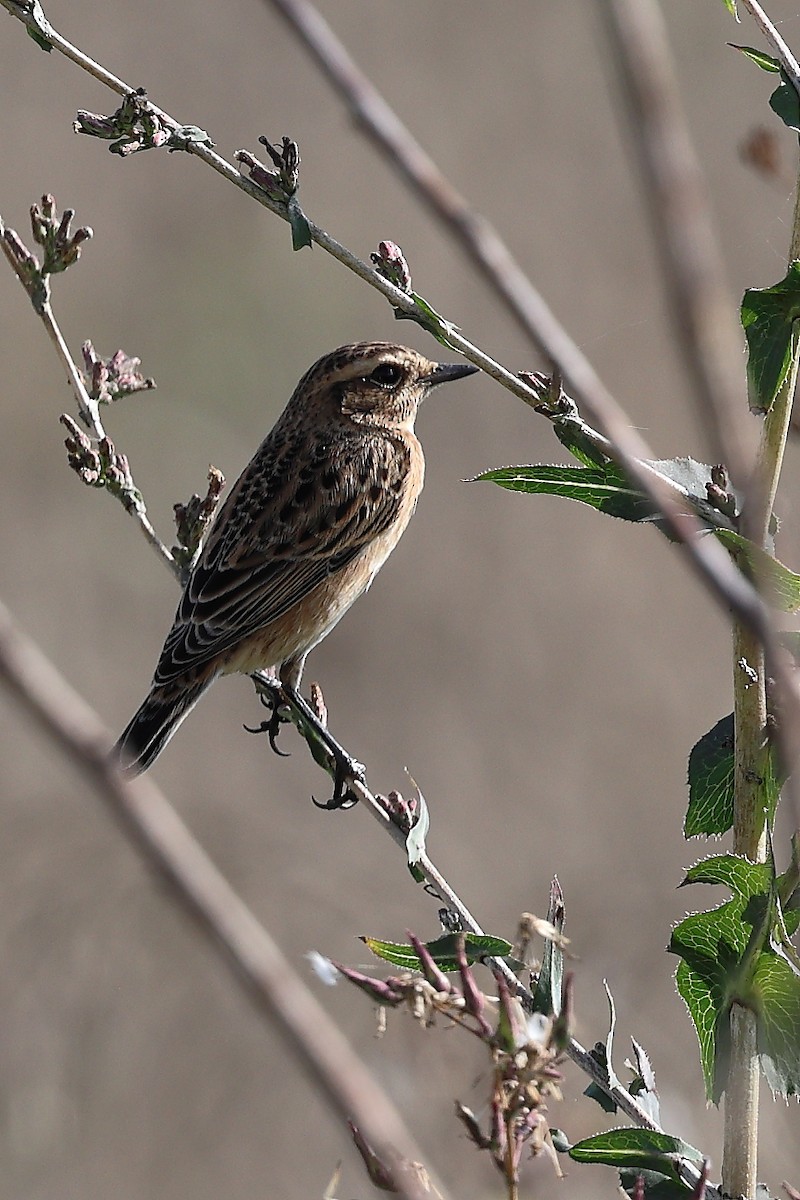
702,313
160,837
787,59
36,284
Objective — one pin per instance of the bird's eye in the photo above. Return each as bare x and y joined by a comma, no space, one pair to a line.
387,375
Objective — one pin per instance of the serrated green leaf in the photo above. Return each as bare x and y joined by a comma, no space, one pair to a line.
769,319
711,782
604,488
711,772
765,61
781,585
631,1149
734,953
547,994
777,988
443,950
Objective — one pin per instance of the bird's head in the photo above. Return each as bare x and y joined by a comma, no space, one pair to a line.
377,383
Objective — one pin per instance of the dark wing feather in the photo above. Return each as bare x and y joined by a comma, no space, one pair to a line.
289,523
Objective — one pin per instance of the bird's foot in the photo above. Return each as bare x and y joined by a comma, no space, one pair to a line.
324,748
275,704
347,770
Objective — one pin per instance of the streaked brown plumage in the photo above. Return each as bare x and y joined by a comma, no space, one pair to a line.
304,531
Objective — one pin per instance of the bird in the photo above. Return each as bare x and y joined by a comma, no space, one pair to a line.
303,533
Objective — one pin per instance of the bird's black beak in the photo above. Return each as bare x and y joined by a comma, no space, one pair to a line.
445,372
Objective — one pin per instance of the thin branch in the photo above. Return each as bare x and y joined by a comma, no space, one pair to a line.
167,846
787,59
691,259
36,283
438,886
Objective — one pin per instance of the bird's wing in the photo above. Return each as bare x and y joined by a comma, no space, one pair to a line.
288,524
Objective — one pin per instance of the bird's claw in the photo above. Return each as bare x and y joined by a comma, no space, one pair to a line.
343,797
272,727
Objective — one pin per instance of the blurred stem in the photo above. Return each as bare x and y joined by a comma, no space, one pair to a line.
740,1151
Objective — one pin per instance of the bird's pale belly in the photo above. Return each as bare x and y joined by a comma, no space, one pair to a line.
312,619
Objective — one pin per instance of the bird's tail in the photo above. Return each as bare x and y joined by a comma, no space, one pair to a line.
151,727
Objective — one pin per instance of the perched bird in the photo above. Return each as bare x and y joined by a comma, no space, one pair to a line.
305,529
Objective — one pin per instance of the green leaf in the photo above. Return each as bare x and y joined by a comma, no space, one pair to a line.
443,950
298,222
711,767
594,1091
637,1150
429,319
765,61
769,319
571,432
735,954
549,985
189,135
39,38
777,986
785,102
781,585
602,487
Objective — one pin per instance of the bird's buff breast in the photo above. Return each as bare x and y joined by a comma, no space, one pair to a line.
312,618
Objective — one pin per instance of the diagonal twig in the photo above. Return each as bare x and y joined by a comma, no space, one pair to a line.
702,313
164,842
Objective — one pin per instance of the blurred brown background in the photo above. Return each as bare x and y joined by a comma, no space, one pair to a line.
541,671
